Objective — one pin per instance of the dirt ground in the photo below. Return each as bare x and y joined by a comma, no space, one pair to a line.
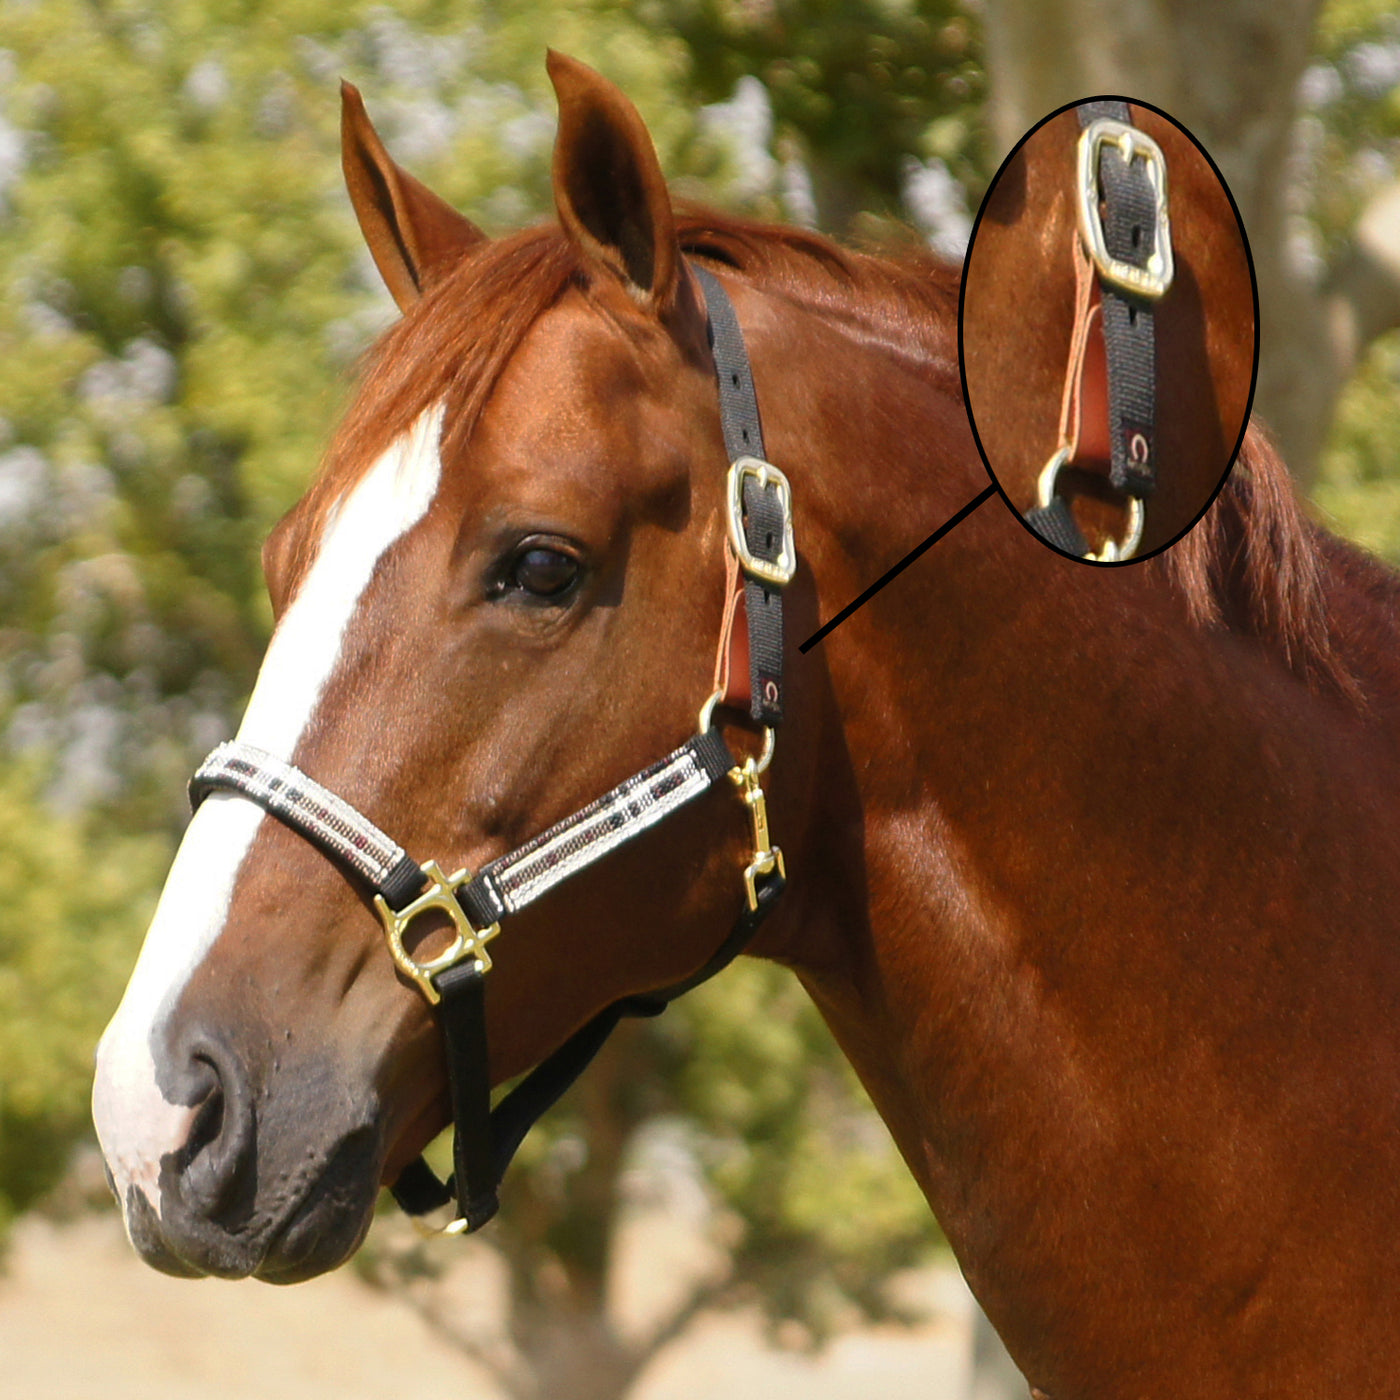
82,1319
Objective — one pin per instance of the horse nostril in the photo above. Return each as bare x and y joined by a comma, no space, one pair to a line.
214,1171
208,1121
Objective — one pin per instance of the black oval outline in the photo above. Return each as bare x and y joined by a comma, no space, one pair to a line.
1254,374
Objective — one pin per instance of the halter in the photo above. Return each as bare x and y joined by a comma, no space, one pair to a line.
1124,249
762,560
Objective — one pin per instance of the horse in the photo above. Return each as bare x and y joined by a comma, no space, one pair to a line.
1025,271
1093,873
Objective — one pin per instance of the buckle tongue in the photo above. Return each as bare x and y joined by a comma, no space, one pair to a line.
777,572
1152,281
469,941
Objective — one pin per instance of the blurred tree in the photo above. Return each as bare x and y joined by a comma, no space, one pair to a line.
183,293
1347,230
862,95
1296,103
74,901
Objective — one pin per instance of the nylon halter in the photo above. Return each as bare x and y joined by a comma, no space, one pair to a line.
1124,252
762,561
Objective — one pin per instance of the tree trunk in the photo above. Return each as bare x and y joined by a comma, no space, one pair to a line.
1229,70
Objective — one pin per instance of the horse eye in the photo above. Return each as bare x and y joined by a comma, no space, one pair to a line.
542,572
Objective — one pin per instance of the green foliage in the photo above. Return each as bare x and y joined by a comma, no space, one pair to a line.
1349,136
73,906
182,294
1358,487
1350,150
859,88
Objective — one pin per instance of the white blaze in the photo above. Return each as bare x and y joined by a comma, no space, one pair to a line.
135,1123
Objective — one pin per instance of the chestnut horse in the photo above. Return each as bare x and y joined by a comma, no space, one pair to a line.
1094,873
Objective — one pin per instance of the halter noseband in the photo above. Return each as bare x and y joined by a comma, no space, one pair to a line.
763,559
1125,246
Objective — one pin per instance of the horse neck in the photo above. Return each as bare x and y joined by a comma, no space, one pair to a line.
1062,841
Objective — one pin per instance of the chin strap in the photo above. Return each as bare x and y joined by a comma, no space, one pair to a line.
763,558
1123,267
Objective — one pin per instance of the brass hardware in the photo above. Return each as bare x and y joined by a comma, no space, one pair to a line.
1113,552
1152,281
457,1226
707,711
770,742
1045,483
778,572
469,942
766,856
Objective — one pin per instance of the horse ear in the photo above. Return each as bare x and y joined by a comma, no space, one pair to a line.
608,187
414,236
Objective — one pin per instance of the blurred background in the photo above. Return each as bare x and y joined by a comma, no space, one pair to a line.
183,299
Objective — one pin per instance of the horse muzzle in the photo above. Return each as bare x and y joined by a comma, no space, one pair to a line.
248,1189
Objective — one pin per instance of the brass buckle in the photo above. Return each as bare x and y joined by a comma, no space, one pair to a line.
1113,551
778,572
441,894
766,856
1152,281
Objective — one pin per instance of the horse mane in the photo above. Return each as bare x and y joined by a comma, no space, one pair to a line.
1256,565
1253,564
904,291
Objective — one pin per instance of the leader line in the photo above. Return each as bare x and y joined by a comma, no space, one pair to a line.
898,569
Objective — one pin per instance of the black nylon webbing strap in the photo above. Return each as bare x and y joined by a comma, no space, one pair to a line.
738,403
763,603
418,1190
461,1013
764,520
517,1113
1056,525
1128,210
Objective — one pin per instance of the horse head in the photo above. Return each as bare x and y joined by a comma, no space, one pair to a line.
499,598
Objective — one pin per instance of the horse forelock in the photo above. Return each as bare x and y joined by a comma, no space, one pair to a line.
1255,564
